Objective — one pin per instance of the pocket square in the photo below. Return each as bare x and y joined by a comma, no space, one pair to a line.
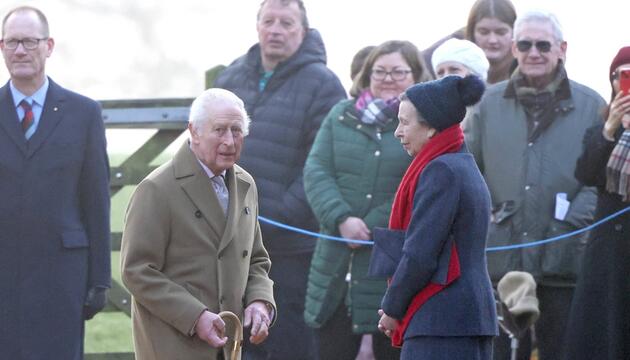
386,252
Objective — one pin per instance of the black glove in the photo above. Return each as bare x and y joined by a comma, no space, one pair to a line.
94,302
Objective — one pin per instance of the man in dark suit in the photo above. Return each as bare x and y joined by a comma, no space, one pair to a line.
54,212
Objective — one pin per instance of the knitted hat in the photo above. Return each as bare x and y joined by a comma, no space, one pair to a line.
517,290
464,52
623,57
442,103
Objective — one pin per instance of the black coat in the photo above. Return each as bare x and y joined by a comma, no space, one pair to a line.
599,325
285,118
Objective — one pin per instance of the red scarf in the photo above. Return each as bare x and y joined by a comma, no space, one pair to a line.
447,141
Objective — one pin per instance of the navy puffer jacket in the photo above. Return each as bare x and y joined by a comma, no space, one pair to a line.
285,118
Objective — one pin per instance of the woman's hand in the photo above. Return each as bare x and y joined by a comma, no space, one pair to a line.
354,228
387,324
619,115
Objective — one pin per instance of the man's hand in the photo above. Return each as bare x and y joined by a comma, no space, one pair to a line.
210,328
258,317
95,301
354,228
387,324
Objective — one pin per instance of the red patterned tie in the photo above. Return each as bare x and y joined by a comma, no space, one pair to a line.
27,120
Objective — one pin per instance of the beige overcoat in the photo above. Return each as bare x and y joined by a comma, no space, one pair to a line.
180,255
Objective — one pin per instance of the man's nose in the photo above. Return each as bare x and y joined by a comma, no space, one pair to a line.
20,49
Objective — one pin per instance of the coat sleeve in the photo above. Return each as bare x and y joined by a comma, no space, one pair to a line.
472,133
95,201
328,94
320,185
591,165
435,204
259,286
146,237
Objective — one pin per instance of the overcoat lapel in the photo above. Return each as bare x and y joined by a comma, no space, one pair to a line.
52,113
238,190
9,121
196,184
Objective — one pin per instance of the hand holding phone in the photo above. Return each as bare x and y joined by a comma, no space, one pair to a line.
624,81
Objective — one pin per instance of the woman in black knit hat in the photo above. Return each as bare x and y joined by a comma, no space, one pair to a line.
439,303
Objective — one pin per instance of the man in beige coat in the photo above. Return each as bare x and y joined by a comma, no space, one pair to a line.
192,247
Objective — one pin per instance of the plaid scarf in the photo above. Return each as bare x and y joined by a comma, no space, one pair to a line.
376,112
618,168
541,106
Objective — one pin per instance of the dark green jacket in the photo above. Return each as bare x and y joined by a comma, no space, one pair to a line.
352,170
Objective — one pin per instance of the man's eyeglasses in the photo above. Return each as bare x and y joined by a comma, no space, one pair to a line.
396,74
543,46
28,43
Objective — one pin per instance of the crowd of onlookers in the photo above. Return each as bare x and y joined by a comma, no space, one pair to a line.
553,155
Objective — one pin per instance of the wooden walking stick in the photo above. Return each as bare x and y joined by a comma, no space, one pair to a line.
234,329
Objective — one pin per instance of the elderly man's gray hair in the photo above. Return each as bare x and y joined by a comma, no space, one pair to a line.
202,108
539,16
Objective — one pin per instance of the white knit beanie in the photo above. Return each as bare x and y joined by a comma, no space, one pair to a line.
464,52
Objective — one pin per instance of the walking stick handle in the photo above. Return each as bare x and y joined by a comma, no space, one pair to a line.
234,329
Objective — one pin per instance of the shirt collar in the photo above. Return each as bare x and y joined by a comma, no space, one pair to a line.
207,169
38,96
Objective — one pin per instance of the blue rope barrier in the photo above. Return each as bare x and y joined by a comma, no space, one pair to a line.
494,248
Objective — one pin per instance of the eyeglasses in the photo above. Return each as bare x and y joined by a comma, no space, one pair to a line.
396,74
542,46
28,43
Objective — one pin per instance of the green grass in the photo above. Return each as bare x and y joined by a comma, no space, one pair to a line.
109,331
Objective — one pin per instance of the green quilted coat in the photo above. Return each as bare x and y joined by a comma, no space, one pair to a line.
353,169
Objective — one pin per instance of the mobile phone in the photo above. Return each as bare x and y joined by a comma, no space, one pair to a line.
624,81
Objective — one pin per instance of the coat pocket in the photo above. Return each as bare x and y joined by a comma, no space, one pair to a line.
561,259
500,234
74,239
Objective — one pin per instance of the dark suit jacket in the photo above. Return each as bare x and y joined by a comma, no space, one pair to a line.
54,224
451,205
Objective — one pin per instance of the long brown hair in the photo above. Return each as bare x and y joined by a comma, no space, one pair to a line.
503,10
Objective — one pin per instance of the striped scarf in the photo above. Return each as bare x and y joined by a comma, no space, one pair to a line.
618,168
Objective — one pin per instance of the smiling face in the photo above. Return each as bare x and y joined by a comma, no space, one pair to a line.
412,131
388,87
27,67
280,32
537,66
217,142
494,37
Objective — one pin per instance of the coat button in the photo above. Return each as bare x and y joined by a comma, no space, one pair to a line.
198,214
368,196
618,227
244,253
340,117
377,153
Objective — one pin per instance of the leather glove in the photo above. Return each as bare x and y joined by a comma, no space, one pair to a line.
94,302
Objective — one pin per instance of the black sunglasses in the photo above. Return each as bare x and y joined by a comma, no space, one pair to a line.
542,46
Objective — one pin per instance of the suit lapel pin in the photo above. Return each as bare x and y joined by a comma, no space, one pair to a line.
55,108
247,210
